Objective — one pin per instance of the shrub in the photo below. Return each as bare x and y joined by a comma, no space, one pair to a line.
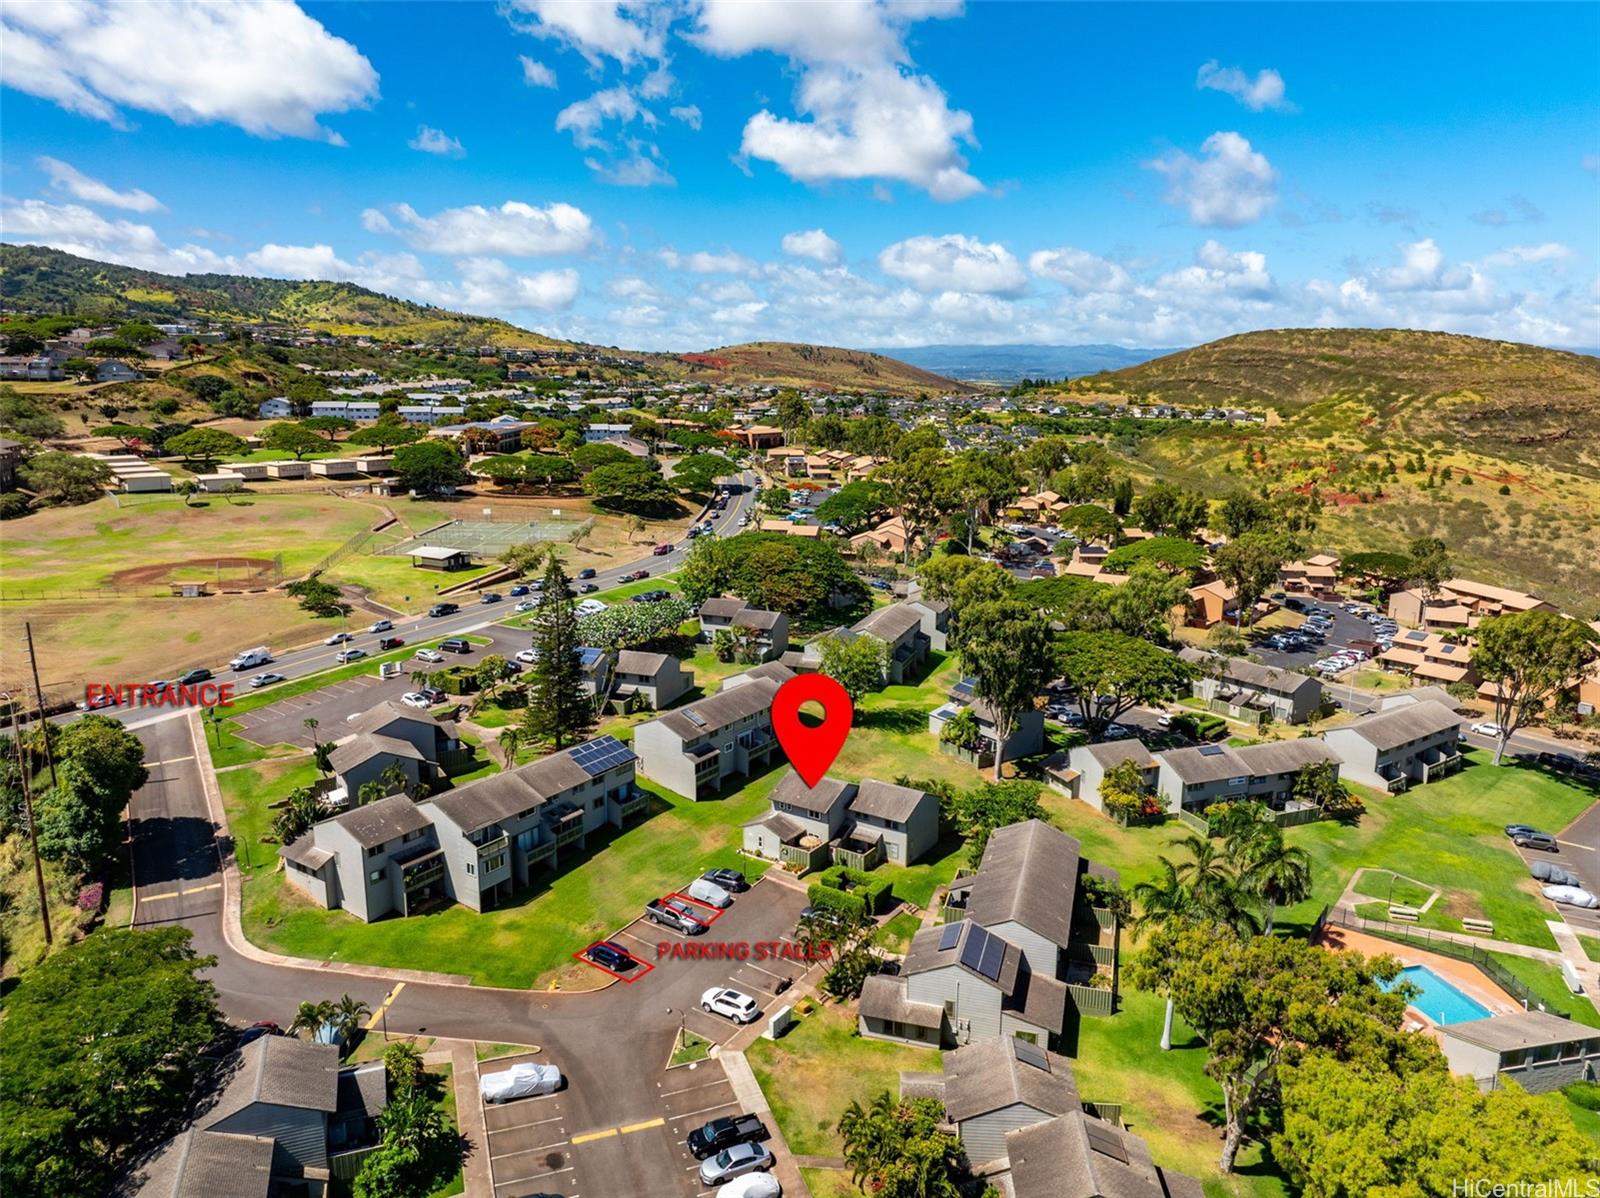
91,896
848,907
12,505
1584,1094
873,892
404,1065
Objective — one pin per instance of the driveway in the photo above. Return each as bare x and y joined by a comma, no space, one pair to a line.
1579,853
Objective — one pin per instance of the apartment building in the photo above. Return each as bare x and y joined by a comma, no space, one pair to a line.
1395,748
1247,690
694,749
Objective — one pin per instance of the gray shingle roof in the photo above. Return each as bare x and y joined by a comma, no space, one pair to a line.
722,608
1078,1156
1390,729
303,851
1029,874
885,800
205,1164
783,826
890,623
1525,1029
502,796
718,711
1114,752
820,799
1254,675
364,746
1210,763
1287,756
884,997
386,713
387,819
281,1070
988,1075
631,661
757,618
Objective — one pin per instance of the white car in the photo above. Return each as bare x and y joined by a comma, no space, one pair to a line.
1573,896
1488,729
740,1008
752,1185
350,655
429,655
261,680
338,638
709,893
415,699
520,1081
527,656
526,605
381,626
589,607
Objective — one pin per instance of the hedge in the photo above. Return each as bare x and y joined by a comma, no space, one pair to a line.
1199,726
867,895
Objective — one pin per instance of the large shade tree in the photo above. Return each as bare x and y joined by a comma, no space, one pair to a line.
1529,658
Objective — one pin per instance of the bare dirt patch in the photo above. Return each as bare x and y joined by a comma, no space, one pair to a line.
223,569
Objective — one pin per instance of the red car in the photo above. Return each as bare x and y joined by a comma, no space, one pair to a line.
662,550
391,642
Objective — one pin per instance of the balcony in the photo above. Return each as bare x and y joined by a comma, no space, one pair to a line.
489,847
545,850
635,803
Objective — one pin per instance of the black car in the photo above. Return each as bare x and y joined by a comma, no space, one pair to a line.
651,596
198,675
444,609
724,1133
730,880
518,591
586,572
587,588
455,645
489,597
612,956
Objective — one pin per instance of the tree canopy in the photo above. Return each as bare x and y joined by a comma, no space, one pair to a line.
292,437
429,466
1529,657
103,1039
57,477
635,485
1007,650
204,445
856,505
795,575
1113,672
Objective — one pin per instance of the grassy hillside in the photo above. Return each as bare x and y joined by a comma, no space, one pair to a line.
45,280
789,364
1521,403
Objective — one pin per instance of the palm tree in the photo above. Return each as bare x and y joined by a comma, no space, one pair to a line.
510,742
312,1016
348,1014
1165,900
868,1135
1277,873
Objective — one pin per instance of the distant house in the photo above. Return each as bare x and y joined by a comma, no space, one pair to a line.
113,371
1210,603
767,631
1194,778
224,480
1430,657
10,463
1076,1154
658,678
277,408
42,368
911,629
279,1114
694,748
1539,1051
1026,739
1392,749
839,822
1093,762
889,537
1316,575
1459,603
1245,690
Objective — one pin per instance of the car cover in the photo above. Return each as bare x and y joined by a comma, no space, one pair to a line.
520,1081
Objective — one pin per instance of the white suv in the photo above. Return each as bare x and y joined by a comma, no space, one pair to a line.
740,1008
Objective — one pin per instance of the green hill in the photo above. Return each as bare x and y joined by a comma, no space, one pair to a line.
793,364
1497,397
38,279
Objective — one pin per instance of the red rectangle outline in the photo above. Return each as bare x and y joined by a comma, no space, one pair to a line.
716,912
581,955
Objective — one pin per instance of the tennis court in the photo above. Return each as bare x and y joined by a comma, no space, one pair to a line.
488,538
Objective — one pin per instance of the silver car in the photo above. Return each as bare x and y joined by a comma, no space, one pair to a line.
734,1162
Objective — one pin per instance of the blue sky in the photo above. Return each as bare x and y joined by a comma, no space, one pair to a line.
704,172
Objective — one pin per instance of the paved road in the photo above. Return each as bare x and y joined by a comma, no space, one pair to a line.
310,659
612,1043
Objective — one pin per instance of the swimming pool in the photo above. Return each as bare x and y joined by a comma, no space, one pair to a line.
1440,1000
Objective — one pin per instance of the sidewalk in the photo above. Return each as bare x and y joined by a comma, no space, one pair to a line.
748,1091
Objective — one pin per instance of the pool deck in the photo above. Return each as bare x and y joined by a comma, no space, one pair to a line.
1466,978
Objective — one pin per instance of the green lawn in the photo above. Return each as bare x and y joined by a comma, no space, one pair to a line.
819,1067
1166,1097
1392,888
1448,834
689,1048
1546,982
440,1075
1591,947
1588,1122
530,942
246,795
895,935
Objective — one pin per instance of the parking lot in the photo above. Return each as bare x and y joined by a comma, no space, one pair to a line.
1346,628
528,1146
332,706
1578,853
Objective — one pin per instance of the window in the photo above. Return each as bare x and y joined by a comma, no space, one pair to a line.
597,802
375,850
471,868
894,851
493,863
375,876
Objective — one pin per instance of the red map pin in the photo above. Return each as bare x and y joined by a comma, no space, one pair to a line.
812,750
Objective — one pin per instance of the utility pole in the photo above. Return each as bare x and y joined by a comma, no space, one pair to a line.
33,832
38,696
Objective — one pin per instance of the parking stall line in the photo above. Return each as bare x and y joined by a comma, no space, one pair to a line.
588,1136
500,1156
706,1110
511,1181
721,1081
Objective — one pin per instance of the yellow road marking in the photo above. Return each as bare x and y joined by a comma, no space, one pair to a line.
658,1121
172,894
594,1135
384,1005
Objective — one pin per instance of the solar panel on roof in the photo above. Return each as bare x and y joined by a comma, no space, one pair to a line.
948,935
1105,1142
1210,751
595,757
1030,1054
972,950
695,718
994,952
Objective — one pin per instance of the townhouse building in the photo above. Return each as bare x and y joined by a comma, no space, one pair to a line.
692,750
849,823
1247,690
1390,750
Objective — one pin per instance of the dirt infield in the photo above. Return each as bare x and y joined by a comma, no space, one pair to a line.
213,567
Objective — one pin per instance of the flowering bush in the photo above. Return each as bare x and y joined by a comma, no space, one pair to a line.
91,897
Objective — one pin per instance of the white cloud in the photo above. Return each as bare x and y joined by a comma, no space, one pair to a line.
436,141
953,263
488,284
514,229
597,29
689,114
263,65
535,73
1518,210
67,177
812,243
1423,268
1219,272
702,262
864,113
1232,185
1590,162
639,167
84,232
1523,255
1264,91
584,118
1078,270
626,161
